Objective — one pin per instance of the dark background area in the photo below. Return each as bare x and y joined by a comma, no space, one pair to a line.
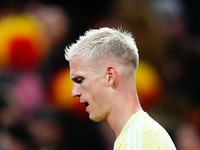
36,109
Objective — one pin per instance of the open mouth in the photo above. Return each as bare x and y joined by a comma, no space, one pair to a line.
86,104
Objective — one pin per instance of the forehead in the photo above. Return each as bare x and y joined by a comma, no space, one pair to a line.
79,68
76,66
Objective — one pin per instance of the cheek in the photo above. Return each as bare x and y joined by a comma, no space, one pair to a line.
94,89
99,99
95,94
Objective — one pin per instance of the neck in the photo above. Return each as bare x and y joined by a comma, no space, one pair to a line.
123,109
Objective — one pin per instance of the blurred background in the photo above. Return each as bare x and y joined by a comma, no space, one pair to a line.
36,108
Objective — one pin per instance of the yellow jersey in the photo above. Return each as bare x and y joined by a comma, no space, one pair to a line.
141,132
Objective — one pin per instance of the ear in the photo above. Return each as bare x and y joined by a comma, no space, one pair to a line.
111,75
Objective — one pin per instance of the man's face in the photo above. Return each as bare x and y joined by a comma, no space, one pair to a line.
90,85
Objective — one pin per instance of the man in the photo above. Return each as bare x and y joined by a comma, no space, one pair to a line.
103,65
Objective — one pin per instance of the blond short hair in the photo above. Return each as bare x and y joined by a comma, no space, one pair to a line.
105,42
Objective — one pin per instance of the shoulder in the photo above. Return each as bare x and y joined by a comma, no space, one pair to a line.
154,134
143,131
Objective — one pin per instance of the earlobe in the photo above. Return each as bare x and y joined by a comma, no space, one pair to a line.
111,75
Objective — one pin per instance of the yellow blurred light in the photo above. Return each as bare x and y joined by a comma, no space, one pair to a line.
17,26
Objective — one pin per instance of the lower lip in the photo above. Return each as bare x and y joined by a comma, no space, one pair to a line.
87,109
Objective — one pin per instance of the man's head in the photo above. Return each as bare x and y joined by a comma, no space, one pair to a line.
102,65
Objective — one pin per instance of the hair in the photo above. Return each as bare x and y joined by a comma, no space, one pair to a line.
105,43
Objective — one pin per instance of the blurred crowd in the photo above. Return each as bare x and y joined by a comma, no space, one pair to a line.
36,108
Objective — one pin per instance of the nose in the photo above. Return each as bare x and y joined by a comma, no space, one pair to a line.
75,91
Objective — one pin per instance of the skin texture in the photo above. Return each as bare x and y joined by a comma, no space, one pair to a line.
107,89
89,90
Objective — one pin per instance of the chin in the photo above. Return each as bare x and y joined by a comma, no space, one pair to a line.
95,119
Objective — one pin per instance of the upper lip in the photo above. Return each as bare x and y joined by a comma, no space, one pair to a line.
84,102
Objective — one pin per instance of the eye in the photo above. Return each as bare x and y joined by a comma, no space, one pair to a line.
78,80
